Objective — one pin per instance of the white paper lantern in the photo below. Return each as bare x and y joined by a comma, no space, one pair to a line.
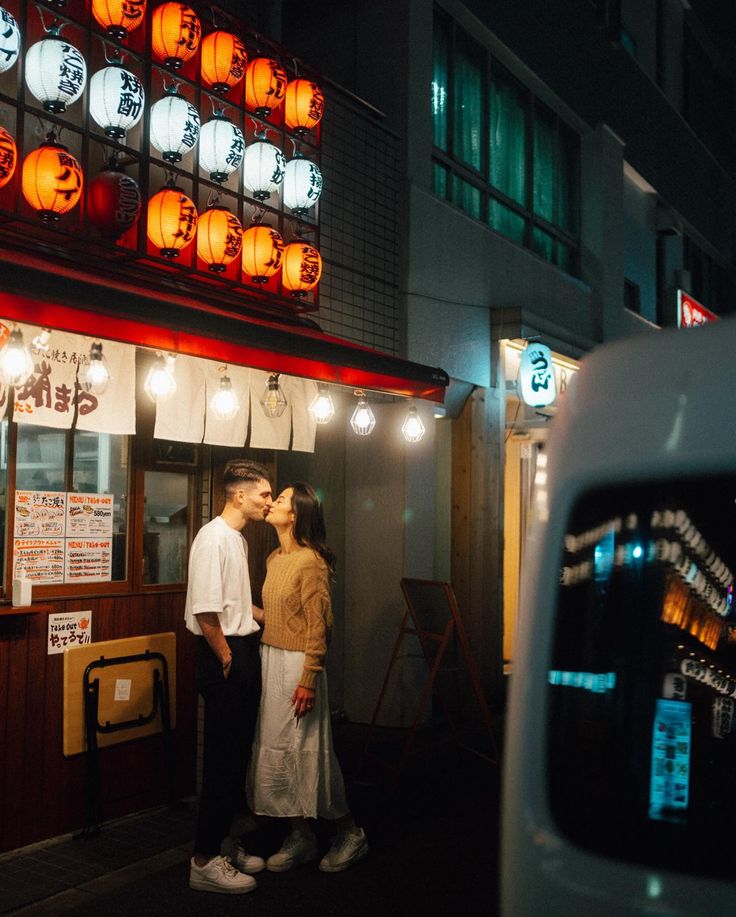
302,185
537,376
221,146
174,126
116,100
263,169
9,40
56,73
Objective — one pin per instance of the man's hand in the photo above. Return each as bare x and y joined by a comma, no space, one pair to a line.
302,701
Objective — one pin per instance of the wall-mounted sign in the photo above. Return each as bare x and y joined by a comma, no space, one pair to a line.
690,313
70,629
537,376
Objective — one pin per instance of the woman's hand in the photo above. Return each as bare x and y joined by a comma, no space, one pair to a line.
302,700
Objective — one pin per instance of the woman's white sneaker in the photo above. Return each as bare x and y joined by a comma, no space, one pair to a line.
219,875
299,847
247,862
347,848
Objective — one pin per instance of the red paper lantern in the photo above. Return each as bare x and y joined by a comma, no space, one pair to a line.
265,85
175,33
304,105
118,17
223,61
8,156
302,268
114,202
172,221
219,238
263,249
52,180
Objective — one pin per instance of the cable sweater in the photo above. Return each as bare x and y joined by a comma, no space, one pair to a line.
298,609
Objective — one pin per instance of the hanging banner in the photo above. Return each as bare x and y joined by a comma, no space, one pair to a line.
114,409
218,432
180,417
267,432
301,393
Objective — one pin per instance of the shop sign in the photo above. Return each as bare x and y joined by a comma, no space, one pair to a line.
68,630
537,376
690,313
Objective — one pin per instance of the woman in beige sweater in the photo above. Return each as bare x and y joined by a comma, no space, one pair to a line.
294,772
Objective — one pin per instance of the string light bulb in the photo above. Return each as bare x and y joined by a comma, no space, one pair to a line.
225,404
273,400
363,420
97,374
16,365
413,428
160,382
322,407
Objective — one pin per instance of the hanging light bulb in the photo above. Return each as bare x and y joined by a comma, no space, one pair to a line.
16,365
221,146
160,382
9,40
56,73
322,408
41,340
412,428
225,404
302,184
263,169
97,374
273,401
174,125
363,420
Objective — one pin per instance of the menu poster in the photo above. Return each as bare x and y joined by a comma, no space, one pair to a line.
67,630
88,560
39,513
40,560
89,515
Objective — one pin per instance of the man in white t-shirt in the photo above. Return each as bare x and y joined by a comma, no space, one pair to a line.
219,610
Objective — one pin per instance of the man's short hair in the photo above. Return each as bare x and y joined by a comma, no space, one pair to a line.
242,471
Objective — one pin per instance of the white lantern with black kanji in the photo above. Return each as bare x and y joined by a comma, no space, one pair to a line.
9,40
302,185
263,169
56,73
174,126
116,100
221,146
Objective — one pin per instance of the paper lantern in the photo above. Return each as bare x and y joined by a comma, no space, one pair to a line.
114,202
172,221
8,156
9,40
219,238
223,61
118,17
302,185
221,146
263,169
56,73
116,100
51,180
175,33
302,267
304,106
537,376
265,85
174,126
262,252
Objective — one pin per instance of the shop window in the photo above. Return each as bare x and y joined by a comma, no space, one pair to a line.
166,527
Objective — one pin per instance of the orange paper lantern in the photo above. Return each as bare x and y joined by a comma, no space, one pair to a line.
52,180
175,33
304,105
265,85
302,268
219,238
223,61
172,221
8,156
263,249
118,17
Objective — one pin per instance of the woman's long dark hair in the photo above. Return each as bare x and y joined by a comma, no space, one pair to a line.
309,527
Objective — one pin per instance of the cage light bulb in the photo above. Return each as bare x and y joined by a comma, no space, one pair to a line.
273,401
160,383
322,407
225,404
16,365
363,420
413,428
98,374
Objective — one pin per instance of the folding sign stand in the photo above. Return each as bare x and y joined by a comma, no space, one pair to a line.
429,603
160,701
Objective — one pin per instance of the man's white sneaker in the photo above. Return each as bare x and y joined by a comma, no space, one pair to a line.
219,875
347,848
247,862
298,848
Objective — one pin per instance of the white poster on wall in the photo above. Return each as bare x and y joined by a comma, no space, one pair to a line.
73,628
88,560
40,560
89,515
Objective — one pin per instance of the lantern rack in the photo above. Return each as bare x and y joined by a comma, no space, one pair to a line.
78,240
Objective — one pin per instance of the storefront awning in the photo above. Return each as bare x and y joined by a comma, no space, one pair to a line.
180,324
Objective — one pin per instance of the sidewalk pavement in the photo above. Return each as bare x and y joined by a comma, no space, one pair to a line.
433,851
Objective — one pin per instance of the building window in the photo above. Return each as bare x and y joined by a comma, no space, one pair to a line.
710,283
166,527
499,154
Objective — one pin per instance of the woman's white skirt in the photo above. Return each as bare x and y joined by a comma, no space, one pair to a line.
293,770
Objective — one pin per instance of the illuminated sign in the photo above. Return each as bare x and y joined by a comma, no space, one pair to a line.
690,313
669,785
537,376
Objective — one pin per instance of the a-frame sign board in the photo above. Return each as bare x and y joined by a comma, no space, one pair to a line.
433,617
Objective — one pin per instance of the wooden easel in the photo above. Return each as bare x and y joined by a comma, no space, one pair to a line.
433,616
